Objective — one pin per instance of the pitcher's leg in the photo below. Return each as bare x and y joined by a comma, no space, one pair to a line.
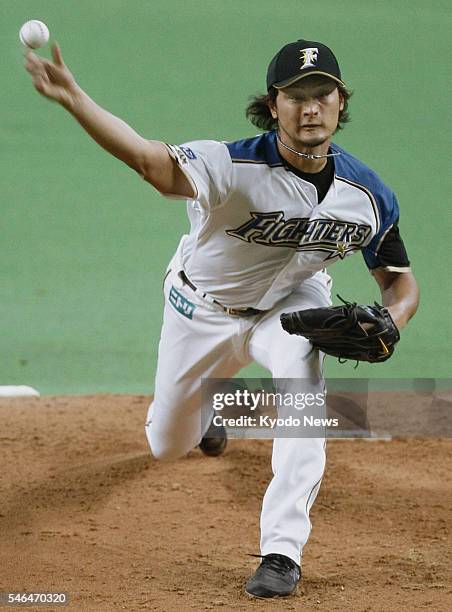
189,350
298,465
297,462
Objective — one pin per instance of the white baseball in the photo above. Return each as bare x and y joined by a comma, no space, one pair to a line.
34,34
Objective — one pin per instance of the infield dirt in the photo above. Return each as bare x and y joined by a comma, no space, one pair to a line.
86,510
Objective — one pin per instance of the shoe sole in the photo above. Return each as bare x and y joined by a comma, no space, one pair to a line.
252,596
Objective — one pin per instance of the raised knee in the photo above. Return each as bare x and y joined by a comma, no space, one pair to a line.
166,453
161,450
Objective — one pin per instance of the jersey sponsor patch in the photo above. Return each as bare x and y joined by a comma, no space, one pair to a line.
337,238
181,304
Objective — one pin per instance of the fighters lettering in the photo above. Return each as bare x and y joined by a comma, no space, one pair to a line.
337,238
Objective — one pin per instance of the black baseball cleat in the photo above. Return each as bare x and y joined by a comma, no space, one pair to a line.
214,441
276,576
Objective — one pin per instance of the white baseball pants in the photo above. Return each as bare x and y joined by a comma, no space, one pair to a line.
213,344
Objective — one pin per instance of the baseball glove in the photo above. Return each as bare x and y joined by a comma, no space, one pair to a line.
352,331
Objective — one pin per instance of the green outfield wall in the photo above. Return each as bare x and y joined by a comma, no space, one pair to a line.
84,241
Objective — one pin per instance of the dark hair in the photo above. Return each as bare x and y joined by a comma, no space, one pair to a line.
258,111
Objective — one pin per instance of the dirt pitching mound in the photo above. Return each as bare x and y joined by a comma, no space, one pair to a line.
86,510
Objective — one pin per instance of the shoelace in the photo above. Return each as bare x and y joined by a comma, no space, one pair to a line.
350,306
278,563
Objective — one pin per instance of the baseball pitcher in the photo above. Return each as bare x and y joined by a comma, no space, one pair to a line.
268,216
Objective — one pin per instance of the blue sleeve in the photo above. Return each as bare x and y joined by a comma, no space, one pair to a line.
389,216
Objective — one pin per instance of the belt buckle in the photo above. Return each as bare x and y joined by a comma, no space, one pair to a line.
232,312
240,312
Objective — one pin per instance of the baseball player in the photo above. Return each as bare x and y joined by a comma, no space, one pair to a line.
268,216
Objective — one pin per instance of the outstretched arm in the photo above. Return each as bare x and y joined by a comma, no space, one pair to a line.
150,158
399,293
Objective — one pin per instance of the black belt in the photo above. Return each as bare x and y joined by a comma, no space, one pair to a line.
234,312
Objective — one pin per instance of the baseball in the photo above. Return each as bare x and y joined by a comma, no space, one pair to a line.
34,34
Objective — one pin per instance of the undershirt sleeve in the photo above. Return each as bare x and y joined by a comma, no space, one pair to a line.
390,253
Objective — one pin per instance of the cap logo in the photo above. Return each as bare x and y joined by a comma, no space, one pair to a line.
308,57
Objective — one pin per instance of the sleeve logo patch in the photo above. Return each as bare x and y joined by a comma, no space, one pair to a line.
188,152
181,304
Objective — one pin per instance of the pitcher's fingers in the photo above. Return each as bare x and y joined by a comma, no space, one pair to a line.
51,70
40,84
34,64
32,59
36,73
56,54
35,60
34,67
44,66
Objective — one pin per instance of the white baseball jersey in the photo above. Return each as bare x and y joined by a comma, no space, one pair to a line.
261,238
258,230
